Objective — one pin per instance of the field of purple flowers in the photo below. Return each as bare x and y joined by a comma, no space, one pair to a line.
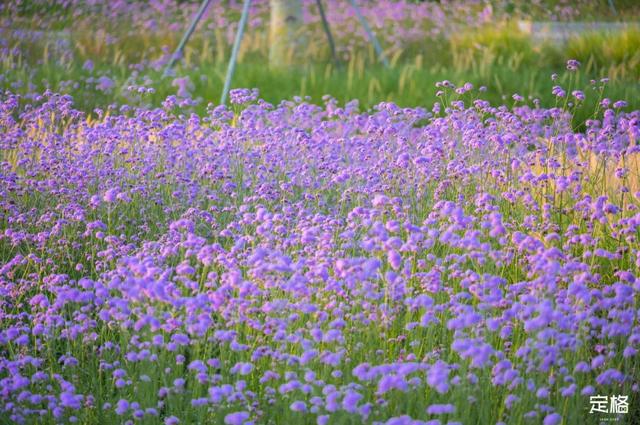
304,262
301,263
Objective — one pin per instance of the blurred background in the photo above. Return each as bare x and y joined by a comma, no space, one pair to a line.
99,51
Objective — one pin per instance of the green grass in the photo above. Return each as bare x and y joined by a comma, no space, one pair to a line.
499,57
407,85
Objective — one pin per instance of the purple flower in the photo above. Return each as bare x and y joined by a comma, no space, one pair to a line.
122,407
236,418
171,420
244,368
88,65
395,260
438,377
391,382
558,91
573,65
110,195
350,401
243,96
298,406
552,419
185,269
70,401
441,409
542,393
380,200
588,390
620,104
105,84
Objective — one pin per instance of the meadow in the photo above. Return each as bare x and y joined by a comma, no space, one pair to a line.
449,240
105,53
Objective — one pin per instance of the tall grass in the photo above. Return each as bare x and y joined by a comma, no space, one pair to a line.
499,57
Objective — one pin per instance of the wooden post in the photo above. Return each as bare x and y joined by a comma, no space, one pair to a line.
285,35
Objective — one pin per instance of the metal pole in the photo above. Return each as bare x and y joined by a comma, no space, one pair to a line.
185,38
372,37
234,52
327,31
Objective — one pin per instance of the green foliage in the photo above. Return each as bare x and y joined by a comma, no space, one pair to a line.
501,44
616,52
503,60
497,56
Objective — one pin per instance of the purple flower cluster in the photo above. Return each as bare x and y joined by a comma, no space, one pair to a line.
315,262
